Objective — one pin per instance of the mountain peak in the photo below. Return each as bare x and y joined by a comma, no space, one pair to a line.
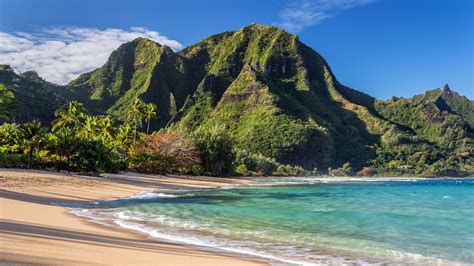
265,29
255,26
31,75
139,42
6,73
276,96
446,88
7,68
144,40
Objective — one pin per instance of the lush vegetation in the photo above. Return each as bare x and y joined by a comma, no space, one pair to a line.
77,141
35,99
255,101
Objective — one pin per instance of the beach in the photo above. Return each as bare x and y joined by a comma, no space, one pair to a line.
35,230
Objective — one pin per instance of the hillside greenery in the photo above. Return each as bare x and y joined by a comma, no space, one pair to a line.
34,97
251,101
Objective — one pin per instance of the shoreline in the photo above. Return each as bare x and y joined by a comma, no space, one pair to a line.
36,231
36,215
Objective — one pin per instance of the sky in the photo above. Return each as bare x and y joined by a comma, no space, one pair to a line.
381,47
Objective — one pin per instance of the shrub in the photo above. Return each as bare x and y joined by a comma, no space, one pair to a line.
216,149
289,170
151,163
345,170
164,153
94,157
366,171
241,170
17,161
258,163
9,137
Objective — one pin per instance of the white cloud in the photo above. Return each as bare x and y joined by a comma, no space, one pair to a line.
304,13
60,55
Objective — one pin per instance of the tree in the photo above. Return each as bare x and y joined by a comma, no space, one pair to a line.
106,126
150,113
216,149
6,103
93,157
62,144
135,116
31,136
123,139
9,136
366,171
345,170
69,116
90,129
170,152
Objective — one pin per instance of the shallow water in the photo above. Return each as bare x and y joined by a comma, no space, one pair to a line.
368,222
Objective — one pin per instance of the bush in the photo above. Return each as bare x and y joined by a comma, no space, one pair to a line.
151,163
94,157
216,149
17,161
366,171
164,153
290,170
345,170
257,163
263,165
241,170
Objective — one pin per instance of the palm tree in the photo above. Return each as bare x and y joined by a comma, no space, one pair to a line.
69,116
61,143
106,127
31,135
8,133
123,139
135,116
6,103
89,128
150,112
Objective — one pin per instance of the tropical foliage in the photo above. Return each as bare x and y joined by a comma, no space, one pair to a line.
164,153
255,101
6,103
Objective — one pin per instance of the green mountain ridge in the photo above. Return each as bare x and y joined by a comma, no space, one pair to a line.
35,98
277,97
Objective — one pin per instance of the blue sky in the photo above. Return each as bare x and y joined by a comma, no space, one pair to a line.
381,47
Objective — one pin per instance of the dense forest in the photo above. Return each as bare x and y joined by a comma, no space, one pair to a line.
255,101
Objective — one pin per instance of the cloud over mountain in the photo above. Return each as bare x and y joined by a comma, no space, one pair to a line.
304,13
62,54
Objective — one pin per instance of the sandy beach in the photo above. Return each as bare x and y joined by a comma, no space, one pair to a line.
35,231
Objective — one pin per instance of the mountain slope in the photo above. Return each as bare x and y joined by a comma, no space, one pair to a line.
279,98
441,117
34,97
294,77
141,68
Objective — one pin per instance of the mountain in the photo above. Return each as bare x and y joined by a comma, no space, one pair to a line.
279,98
35,98
442,117
141,68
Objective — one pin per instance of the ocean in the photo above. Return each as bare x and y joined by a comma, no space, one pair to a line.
310,221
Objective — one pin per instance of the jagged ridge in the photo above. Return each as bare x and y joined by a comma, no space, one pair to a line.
278,97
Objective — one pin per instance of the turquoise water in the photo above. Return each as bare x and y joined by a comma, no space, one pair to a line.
426,221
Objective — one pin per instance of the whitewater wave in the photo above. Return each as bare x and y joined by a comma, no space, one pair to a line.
137,222
152,195
190,226
182,231
282,181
